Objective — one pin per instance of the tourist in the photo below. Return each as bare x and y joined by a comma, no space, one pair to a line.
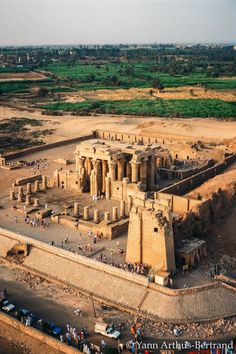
78,312
176,332
68,327
103,344
68,338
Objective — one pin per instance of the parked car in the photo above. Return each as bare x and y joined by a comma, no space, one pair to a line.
7,306
22,313
106,330
51,328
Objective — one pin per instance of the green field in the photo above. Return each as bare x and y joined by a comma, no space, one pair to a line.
127,75
162,108
110,76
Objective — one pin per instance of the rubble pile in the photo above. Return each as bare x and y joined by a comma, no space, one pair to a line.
31,280
227,264
192,330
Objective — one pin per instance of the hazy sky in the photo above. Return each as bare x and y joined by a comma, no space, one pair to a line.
25,22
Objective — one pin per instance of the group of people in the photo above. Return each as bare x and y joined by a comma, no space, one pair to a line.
73,334
95,236
35,222
36,165
137,268
85,247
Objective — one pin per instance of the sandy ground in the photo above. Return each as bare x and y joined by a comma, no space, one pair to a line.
21,76
144,93
188,129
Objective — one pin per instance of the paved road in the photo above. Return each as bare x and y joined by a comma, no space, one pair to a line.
47,309
60,314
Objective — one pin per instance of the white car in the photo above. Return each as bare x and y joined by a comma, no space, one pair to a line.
7,306
106,330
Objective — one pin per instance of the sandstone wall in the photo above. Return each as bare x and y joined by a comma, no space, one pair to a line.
184,186
178,204
24,152
33,339
201,216
125,290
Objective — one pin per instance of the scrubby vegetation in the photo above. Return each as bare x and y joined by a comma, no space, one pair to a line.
18,133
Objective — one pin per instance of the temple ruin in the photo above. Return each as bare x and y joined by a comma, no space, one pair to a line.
144,181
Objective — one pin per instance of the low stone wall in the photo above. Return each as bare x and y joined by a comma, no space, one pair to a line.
134,138
110,230
14,155
30,179
124,290
33,339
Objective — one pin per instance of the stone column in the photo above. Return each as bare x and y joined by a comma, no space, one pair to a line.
120,170
36,186
77,158
112,170
44,182
88,165
28,200
124,188
76,209
12,195
21,191
20,194
135,171
114,214
107,216
28,188
79,164
192,262
130,203
159,162
98,176
122,209
96,215
104,175
86,213
204,251
151,172
36,202
143,171
128,171
88,169
108,187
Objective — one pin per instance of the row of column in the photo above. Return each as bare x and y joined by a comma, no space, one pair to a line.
135,170
28,200
115,217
